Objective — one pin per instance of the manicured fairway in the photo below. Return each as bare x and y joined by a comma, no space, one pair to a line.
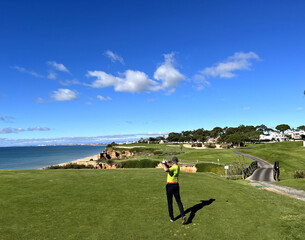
131,204
191,155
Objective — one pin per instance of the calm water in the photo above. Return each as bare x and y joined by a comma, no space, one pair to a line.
39,157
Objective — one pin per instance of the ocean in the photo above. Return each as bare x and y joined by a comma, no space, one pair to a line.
43,156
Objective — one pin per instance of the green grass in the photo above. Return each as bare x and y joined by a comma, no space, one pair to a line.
190,155
291,156
131,204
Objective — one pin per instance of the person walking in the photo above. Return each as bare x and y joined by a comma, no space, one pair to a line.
172,188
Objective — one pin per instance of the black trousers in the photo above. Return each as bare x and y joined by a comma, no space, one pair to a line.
173,190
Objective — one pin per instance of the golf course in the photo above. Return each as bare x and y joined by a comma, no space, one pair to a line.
131,204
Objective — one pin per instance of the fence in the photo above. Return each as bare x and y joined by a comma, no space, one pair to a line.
249,170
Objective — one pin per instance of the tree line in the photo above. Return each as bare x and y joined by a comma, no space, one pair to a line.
235,135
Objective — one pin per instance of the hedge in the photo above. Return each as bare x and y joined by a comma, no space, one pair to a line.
144,163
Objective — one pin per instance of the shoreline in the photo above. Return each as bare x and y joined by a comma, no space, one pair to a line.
79,161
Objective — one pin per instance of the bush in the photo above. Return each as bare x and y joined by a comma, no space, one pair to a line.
299,174
196,144
210,167
158,152
225,145
70,166
145,163
237,167
210,145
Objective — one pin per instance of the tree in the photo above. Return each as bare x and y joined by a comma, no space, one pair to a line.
262,128
216,131
282,128
302,127
174,137
237,138
254,136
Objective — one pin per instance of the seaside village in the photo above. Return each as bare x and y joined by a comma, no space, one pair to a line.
104,160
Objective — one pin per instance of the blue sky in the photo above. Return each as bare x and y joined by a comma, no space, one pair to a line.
97,71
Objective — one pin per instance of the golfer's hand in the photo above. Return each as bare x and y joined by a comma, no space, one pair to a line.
163,162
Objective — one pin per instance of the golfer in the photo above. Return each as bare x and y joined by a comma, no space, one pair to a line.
172,188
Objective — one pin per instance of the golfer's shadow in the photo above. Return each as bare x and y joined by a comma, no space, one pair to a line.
195,209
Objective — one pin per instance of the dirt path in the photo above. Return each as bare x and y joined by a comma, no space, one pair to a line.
283,190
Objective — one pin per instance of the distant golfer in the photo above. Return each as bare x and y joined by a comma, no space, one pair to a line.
172,188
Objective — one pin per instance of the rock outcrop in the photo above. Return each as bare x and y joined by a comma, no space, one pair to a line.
112,154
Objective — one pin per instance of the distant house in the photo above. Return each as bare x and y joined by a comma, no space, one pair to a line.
274,136
297,135
212,140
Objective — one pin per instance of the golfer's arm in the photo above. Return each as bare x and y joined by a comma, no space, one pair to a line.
165,167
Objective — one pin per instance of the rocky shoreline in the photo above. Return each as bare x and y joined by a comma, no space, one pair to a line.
101,160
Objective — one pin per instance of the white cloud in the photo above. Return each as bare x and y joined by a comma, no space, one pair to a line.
40,100
201,82
101,98
300,109
1,118
135,81
52,75
38,129
58,66
168,74
131,81
21,69
64,95
18,130
11,130
246,108
104,98
238,62
69,82
114,57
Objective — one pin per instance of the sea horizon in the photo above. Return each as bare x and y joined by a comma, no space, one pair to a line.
38,157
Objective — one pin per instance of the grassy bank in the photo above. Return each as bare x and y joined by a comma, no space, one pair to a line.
131,204
291,156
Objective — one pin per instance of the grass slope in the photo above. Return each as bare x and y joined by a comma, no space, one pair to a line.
131,204
291,156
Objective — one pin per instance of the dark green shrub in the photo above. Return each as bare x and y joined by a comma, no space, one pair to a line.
158,152
70,166
299,174
196,144
144,163
210,145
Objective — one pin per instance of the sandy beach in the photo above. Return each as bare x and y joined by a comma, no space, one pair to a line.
81,160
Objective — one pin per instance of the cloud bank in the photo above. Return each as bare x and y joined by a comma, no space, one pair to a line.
78,140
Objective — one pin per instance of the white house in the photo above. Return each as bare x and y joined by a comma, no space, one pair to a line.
273,136
296,134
